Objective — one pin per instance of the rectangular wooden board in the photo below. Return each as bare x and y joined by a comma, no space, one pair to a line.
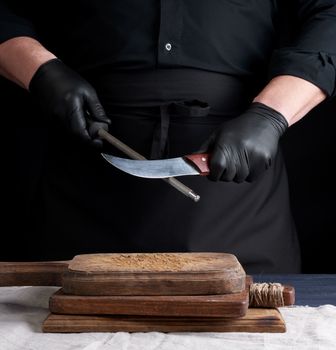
218,305
154,274
132,274
255,320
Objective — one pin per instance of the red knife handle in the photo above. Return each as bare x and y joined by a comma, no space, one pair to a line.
200,161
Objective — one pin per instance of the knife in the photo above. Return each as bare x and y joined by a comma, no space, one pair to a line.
104,135
193,164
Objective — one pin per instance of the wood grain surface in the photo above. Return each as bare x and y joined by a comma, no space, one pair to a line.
154,274
39,273
50,273
225,305
218,305
255,320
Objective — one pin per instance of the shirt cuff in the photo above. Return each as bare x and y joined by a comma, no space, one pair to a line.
319,68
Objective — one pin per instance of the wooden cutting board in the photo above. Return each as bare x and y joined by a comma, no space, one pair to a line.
255,320
154,274
217,305
133,274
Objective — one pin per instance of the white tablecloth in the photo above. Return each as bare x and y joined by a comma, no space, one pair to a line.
23,309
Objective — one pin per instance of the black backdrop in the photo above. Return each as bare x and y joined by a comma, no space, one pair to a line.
309,148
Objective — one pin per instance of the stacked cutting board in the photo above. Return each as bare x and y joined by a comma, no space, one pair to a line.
166,292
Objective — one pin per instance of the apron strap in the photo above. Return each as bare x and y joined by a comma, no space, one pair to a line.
188,108
160,135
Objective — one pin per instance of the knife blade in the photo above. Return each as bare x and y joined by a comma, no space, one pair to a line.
194,164
178,185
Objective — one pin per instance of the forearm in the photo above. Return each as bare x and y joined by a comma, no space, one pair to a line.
20,58
293,97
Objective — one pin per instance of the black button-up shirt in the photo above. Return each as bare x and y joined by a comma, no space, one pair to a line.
244,38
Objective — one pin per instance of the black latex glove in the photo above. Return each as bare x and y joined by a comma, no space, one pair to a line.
244,147
64,94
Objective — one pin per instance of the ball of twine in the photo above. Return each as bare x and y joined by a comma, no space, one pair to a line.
266,295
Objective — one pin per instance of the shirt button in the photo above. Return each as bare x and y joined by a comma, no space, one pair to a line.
168,46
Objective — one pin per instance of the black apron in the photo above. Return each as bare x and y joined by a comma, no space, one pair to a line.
88,206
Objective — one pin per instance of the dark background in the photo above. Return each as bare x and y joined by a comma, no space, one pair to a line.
309,148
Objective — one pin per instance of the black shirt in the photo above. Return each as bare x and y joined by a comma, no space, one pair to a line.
233,37
244,38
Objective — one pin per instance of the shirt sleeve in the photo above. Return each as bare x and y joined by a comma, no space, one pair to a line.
14,22
311,53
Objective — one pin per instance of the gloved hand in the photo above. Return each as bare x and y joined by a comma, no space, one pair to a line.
244,147
64,94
